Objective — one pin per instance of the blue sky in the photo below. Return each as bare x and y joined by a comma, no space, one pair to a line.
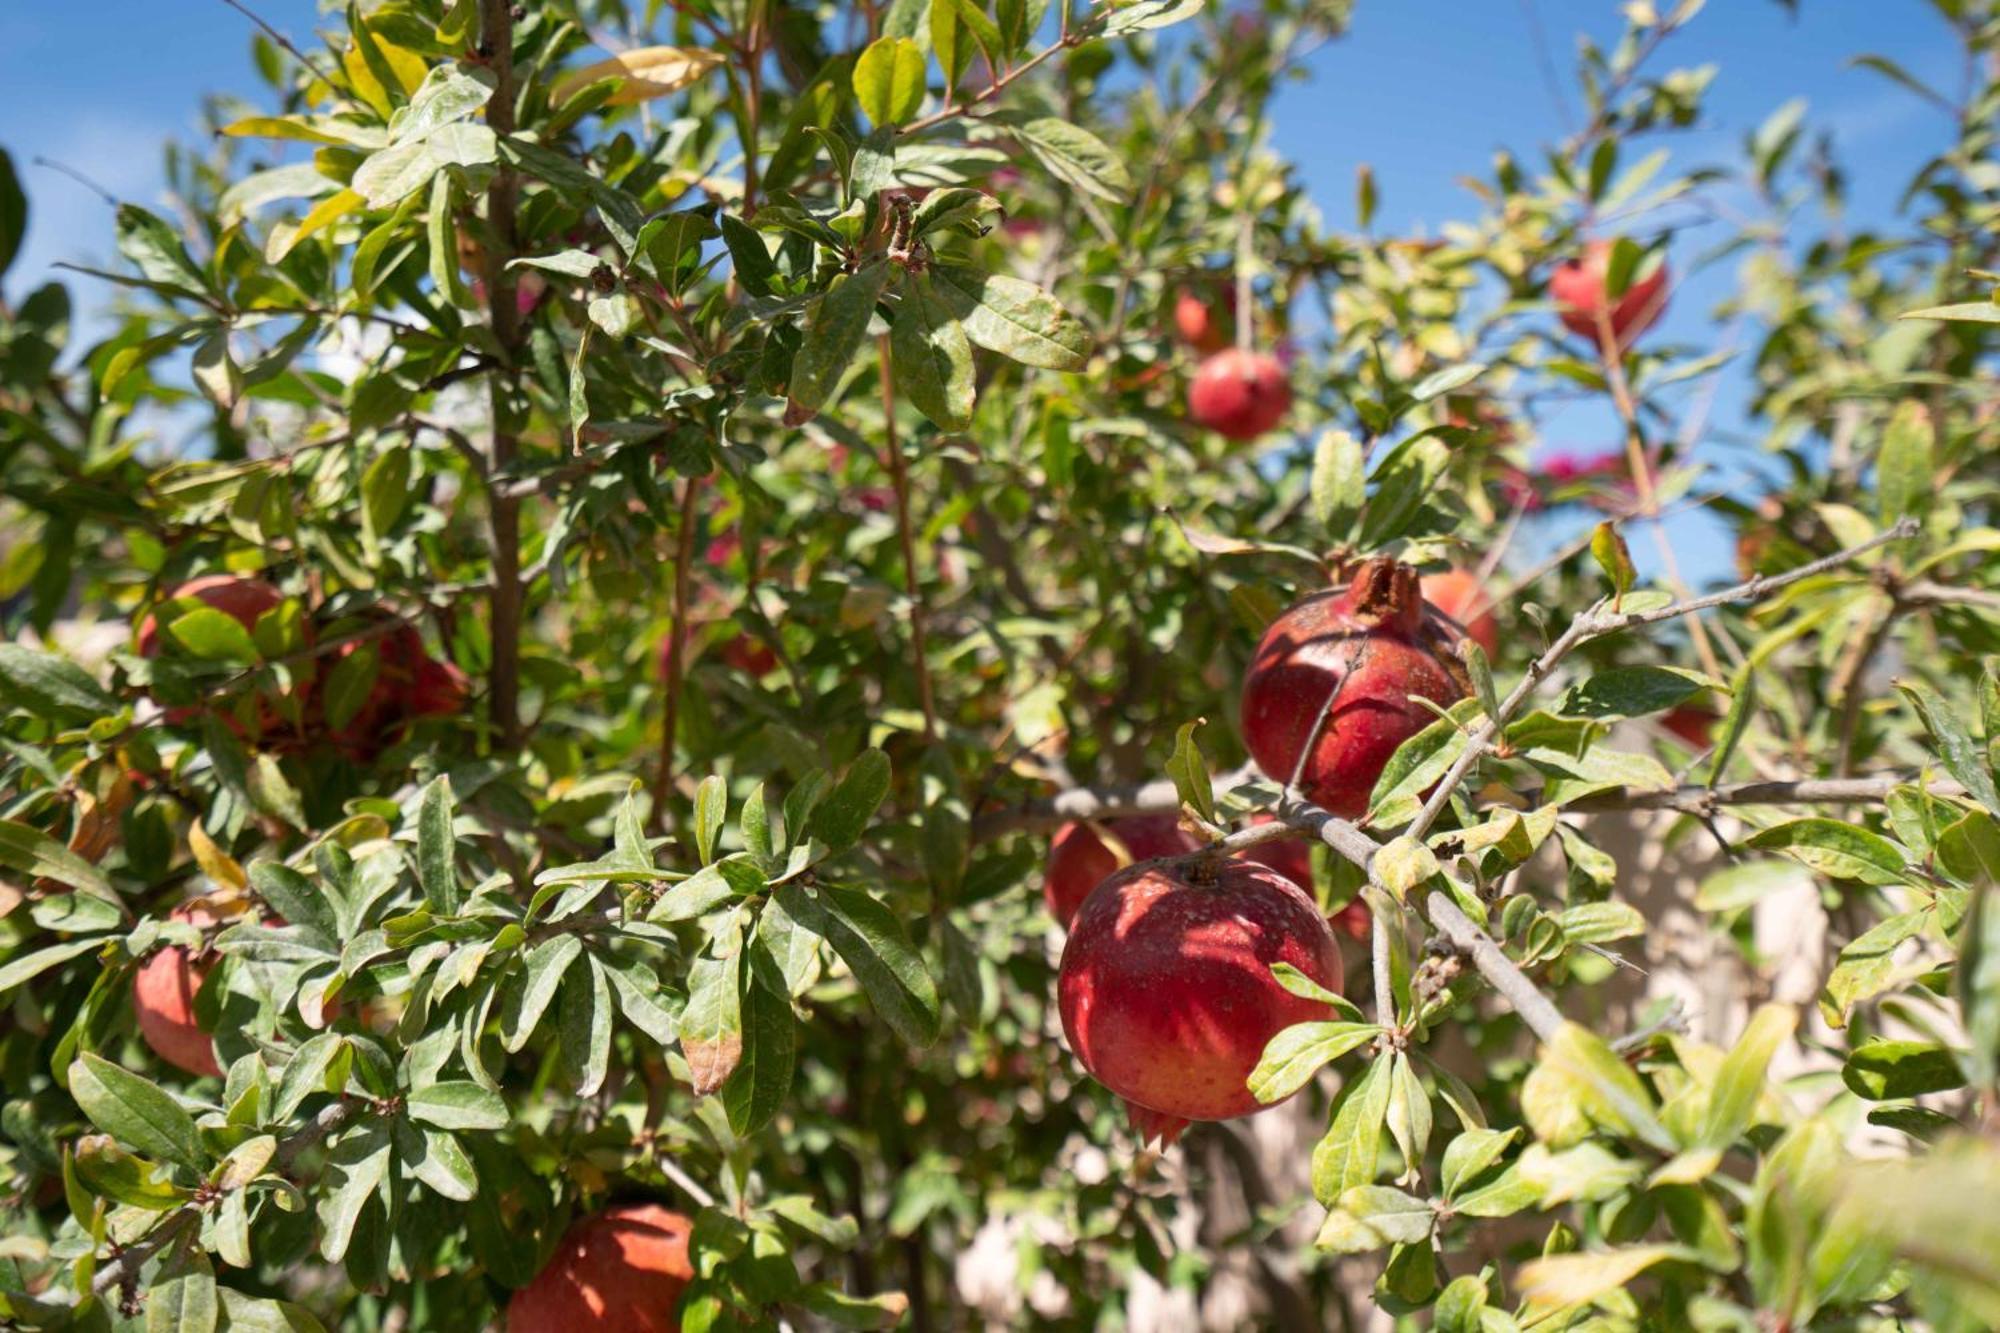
1423,91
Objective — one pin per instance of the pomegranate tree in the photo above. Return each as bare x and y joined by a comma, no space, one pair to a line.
621,1271
1082,856
1166,989
1578,289
1239,395
1364,656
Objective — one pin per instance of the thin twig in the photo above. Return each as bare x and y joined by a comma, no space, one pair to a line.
899,474
284,42
677,630
497,35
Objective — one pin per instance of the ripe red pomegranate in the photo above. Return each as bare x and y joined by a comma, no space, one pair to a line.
163,991
1239,395
1577,287
1459,594
1166,989
409,684
1370,650
1203,324
622,1271
1080,858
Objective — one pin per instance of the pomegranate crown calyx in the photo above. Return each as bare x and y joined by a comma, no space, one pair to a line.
1385,593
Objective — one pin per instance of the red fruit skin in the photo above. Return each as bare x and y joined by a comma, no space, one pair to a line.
409,684
1200,324
1239,395
163,991
1166,989
1693,724
1577,287
1080,859
622,1271
1459,594
1374,644
1291,858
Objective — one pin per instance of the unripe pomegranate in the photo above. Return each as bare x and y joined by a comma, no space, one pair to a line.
622,1271
1577,287
1459,594
1081,857
1364,655
1239,394
163,991
1203,324
1166,989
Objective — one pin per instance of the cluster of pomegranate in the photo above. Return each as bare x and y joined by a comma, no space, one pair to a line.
1165,988
409,683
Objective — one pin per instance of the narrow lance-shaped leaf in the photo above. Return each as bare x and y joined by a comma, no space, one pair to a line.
436,851
839,323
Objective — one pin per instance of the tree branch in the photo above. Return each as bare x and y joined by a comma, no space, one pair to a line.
496,31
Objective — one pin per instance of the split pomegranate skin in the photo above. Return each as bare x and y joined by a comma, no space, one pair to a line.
1365,655
1166,989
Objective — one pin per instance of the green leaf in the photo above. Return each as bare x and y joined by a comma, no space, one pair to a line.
385,489
763,1077
1582,1071
134,1111
1076,156
1867,966
1374,1217
1905,474
543,968
931,355
1470,1155
876,948
1969,312
295,898
843,816
711,811
755,270
13,212
186,1302
51,686
1963,757
156,250
839,323
1600,923
585,1017
27,966
437,848
314,1067
1977,985
1303,986
213,636
1739,1083
356,1167
1882,1071
1742,706
1564,1280
1835,848
1014,318
1441,382
1294,1055
457,1105
108,1171
1346,1157
1633,692
889,80
696,896
1189,772
1417,765
951,42
711,1027
1339,483
436,1159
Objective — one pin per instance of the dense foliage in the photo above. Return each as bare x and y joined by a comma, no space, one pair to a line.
678,533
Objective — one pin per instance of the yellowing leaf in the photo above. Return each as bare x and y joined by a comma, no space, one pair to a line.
1572,1279
327,211
648,71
